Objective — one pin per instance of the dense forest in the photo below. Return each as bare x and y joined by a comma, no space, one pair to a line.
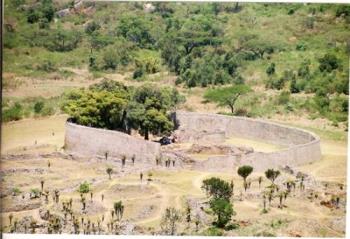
256,60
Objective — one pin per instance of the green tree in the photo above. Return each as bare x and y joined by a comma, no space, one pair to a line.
223,209
227,96
136,29
217,188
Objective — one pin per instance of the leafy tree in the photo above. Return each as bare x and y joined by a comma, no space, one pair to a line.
222,208
197,31
217,188
244,171
227,96
102,109
272,174
61,40
148,112
136,29
170,220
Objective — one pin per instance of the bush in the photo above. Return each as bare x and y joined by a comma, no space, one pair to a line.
213,231
138,73
84,187
343,10
231,226
15,112
38,107
47,66
47,111
271,69
241,112
16,191
91,27
328,63
34,193
283,98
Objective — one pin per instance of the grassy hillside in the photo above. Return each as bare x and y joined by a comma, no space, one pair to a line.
295,57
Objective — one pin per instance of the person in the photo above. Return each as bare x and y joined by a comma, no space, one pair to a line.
141,176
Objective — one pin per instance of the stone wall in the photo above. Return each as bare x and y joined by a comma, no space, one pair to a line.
92,142
302,146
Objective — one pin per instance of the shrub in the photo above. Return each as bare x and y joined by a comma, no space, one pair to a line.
38,107
47,111
47,66
213,231
283,98
138,73
343,10
34,193
271,69
15,191
241,112
328,63
15,112
84,187
91,27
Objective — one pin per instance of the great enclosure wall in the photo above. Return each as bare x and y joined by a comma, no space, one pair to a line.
208,130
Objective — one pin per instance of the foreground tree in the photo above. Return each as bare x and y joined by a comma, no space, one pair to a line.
222,208
244,171
227,96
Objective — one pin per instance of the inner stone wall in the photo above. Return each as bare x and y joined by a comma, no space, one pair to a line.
302,146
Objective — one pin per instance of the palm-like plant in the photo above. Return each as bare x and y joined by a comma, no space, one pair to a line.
109,172
272,174
244,172
42,185
133,159
123,160
260,181
10,218
119,210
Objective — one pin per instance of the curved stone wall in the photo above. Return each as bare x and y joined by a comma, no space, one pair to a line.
92,142
302,146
